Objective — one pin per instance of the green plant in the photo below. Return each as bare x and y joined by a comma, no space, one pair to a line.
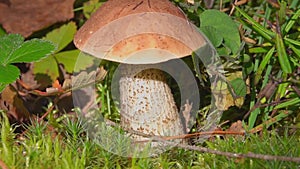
276,60
49,66
15,50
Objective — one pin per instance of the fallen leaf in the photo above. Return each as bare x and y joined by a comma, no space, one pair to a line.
13,105
236,127
26,17
224,98
84,78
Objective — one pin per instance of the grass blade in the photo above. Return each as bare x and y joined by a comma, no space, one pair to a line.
256,26
291,102
262,65
282,56
292,21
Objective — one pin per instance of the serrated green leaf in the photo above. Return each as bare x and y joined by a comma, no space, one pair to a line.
8,74
225,25
32,50
213,35
8,44
69,60
62,36
239,87
47,66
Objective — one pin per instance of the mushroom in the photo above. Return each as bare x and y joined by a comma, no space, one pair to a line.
140,34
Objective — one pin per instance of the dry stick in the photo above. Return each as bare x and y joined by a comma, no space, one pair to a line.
233,155
201,134
227,154
217,152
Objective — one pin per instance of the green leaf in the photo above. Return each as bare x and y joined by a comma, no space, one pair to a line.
32,50
62,36
2,31
282,56
8,74
223,51
213,35
8,44
2,86
90,7
224,25
239,87
47,66
69,60
248,65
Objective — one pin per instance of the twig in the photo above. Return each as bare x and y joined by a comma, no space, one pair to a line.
137,5
184,136
217,152
233,155
229,154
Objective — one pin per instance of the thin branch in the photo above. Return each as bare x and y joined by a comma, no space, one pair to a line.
238,155
207,150
230,154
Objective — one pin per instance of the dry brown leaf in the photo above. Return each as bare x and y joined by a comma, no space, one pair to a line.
26,17
13,105
236,127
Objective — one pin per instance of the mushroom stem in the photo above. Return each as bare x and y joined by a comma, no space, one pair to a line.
147,104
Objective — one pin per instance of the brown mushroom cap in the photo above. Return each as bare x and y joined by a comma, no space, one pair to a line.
138,32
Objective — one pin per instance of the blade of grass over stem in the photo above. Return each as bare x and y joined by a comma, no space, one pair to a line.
268,123
256,26
262,65
291,102
292,21
254,113
296,50
282,88
282,55
258,50
291,41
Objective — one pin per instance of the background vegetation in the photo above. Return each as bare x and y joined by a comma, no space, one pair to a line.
258,41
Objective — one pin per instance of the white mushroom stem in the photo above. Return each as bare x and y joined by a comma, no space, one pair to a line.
147,104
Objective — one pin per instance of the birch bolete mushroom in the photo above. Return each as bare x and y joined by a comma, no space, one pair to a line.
137,33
